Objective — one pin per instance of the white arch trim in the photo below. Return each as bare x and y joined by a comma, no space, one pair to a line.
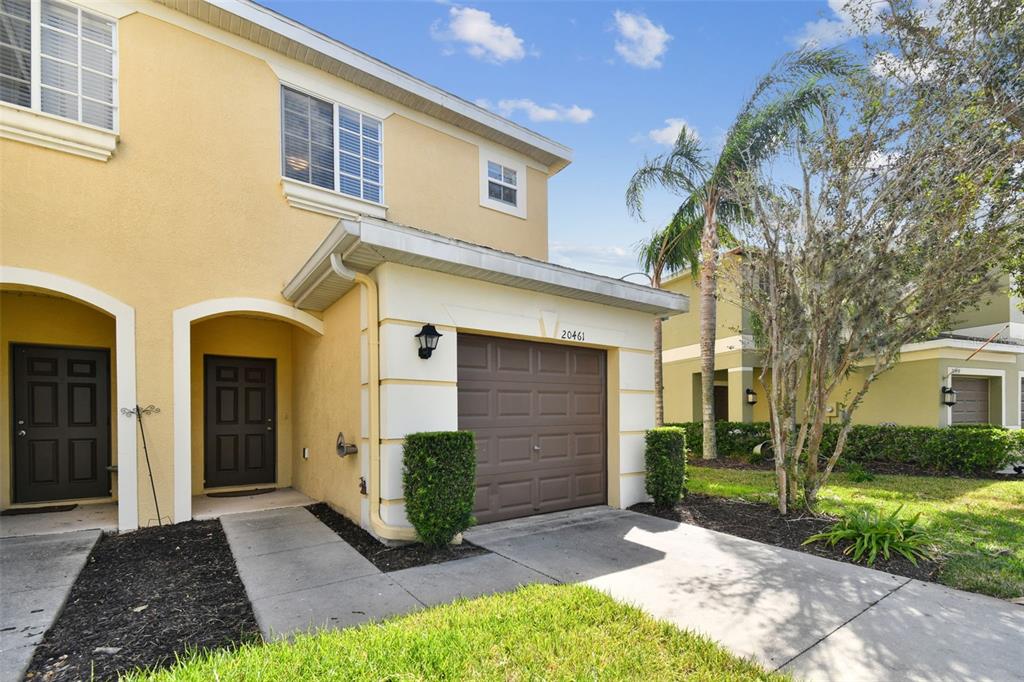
182,323
124,325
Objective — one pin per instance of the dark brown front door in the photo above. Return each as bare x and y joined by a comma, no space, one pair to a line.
60,422
538,411
240,409
721,403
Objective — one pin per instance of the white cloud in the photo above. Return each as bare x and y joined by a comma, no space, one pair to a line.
641,42
613,261
537,113
483,38
889,66
669,133
837,29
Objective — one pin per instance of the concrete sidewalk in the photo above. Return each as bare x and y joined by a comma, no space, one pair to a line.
36,575
817,618
300,575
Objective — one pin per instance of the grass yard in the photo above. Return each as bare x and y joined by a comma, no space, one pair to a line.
565,632
978,523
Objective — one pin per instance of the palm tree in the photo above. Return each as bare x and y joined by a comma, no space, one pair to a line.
668,250
780,103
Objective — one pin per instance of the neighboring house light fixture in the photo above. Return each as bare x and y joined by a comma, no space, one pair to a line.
428,337
502,183
59,59
948,396
751,397
331,146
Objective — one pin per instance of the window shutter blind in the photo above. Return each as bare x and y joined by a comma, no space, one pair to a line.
16,52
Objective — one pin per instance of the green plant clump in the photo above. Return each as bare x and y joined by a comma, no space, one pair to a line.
439,482
869,533
856,472
665,457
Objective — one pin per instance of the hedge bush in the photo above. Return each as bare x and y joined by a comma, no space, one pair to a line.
964,449
665,457
439,481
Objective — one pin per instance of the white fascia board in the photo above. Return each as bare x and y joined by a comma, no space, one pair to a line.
293,30
962,344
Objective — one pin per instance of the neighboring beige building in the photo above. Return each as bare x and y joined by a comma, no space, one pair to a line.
211,209
989,380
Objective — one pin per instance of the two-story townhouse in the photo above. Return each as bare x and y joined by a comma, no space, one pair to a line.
973,374
209,208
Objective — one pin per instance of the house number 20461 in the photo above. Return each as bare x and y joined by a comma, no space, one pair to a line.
572,334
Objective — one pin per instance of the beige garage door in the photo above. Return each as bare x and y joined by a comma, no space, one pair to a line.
971,400
539,414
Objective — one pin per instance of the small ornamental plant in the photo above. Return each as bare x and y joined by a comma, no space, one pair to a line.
665,456
439,480
868,534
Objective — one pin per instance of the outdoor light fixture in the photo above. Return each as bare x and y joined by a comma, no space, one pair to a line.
948,396
427,337
751,397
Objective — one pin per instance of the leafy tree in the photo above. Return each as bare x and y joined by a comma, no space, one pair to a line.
780,102
910,196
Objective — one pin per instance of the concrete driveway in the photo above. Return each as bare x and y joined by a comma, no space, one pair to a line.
817,618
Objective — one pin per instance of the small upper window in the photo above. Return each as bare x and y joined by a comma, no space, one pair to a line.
502,183
77,55
331,146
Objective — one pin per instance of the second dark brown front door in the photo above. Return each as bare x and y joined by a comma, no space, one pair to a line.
61,412
721,403
240,406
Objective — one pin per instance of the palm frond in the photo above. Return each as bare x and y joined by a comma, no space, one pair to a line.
682,170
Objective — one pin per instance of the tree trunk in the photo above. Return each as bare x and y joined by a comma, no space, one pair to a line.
708,320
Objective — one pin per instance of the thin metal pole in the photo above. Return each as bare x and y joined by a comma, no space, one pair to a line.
149,467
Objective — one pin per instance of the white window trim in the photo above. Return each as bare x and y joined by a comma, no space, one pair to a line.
519,210
32,125
332,202
328,202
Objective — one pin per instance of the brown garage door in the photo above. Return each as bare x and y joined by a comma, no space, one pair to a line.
539,413
971,400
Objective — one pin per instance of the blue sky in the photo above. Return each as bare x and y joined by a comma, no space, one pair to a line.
611,80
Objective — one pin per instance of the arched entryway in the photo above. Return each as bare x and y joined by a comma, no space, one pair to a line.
234,353
81,362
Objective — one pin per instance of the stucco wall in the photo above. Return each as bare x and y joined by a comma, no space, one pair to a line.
252,338
28,317
327,401
190,206
684,330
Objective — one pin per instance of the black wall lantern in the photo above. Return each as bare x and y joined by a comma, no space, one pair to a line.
427,337
751,397
948,396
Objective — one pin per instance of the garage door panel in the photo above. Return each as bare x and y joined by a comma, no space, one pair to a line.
539,415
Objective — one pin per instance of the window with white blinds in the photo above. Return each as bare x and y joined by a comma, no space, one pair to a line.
76,54
331,146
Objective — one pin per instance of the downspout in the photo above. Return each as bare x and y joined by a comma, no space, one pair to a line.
379,526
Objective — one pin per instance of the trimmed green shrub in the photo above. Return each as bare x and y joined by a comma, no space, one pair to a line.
867,533
439,481
665,457
964,449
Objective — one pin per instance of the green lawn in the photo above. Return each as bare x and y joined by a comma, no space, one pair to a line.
566,632
979,524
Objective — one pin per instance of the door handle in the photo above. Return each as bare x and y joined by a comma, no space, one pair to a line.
21,432
536,448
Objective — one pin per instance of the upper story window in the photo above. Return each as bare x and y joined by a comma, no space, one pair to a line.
331,146
59,59
502,183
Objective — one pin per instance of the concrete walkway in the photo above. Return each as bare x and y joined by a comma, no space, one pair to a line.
300,575
817,618
36,574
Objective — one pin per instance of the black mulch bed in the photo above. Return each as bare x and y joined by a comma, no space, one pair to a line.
762,522
144,597
889,468
390,558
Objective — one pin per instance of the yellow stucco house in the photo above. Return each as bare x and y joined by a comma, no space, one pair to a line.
981,359
214,210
